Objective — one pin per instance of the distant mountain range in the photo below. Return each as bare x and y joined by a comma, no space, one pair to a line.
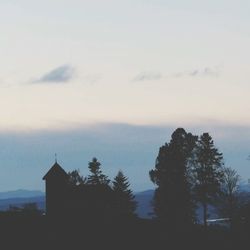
144,200
145,209
20,193
19,202
144,203
19,197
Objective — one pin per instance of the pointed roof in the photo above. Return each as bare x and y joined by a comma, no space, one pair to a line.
56,170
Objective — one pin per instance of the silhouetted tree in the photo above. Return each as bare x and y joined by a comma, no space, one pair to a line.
96,177
229,192
208,172
173,201
27,208
243,211
30,207
75,178
125,203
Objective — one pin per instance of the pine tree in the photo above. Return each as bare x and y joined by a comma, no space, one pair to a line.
173,201
96,177
208,172
125,204
75,178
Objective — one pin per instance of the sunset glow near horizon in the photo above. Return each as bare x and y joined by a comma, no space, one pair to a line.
68,65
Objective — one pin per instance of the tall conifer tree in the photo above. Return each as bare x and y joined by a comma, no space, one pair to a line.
208,172
125,203
173,201
96,177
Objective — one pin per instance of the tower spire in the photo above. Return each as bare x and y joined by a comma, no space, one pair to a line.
55,157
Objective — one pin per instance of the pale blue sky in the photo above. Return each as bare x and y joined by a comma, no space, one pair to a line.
26,157
180,54
71,65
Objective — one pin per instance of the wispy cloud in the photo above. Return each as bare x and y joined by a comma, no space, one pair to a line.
60,74
200,72
204,72
148,76
92,78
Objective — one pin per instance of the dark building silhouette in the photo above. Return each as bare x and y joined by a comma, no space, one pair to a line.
66,199
56,184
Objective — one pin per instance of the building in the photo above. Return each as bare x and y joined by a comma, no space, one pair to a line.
56,189
66,199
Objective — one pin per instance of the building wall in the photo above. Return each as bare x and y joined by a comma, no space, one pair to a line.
56,196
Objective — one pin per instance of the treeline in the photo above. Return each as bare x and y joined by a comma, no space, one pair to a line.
189,172
103,194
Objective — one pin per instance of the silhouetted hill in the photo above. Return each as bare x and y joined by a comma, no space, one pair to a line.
20,193
145,210
144,200
19,197
244,187
18,202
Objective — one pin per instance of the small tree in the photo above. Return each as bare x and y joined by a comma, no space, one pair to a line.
229,190
125,204
96,177
75,178
207,171
30,207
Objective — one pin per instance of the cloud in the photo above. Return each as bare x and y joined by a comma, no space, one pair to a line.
148,76
205,72
212,72
60,74
92,78
202,72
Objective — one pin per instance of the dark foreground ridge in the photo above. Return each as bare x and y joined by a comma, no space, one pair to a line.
39,232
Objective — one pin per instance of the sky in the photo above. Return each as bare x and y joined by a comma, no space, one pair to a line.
114,78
